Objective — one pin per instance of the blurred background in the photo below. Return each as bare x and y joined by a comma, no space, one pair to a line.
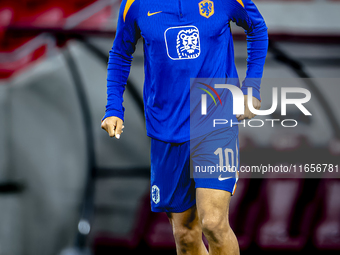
67,188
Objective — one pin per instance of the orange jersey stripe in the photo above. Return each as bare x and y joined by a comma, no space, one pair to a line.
127,7
240,2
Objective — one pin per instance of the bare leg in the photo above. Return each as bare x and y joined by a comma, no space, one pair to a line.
213,209
187,232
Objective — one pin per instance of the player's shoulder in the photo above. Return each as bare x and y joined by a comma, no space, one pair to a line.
237,3
129,9
231,6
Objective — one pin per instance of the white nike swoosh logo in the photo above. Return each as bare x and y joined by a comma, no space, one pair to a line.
225,178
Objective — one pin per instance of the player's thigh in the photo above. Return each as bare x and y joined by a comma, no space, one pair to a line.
215,161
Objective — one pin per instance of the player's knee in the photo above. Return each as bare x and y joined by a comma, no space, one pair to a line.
215,228
186,237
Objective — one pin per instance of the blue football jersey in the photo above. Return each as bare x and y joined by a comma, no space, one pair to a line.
182,40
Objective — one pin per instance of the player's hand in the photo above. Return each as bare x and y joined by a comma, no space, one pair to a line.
247,113
113,125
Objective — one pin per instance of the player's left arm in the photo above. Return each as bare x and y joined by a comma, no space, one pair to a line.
245,14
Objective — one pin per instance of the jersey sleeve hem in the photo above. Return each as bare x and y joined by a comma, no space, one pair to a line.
113,113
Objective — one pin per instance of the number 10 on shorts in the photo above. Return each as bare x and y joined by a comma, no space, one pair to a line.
228,153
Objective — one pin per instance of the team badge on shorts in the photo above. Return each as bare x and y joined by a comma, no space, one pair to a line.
206,8
155,194
182,42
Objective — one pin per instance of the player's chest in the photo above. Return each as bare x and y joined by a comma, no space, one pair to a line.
183,19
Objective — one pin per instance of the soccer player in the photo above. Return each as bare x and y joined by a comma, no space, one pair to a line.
184,41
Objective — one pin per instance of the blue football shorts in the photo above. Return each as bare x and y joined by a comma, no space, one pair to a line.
177,169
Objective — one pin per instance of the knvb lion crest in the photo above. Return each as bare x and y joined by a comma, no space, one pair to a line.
206,8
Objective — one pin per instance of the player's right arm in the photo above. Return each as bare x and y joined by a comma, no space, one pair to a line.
119,64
